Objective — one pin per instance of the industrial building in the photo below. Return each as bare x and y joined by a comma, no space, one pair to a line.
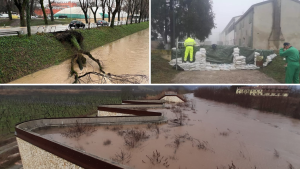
264,91
265,25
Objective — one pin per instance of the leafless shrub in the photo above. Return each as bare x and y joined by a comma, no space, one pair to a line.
180,117
107,142
224,133
122,157
156,159
116,128
134,137
149,126
121,132
291,166
276,154
232,166
78,130
186,137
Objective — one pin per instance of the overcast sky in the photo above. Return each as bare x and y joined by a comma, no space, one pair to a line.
225,10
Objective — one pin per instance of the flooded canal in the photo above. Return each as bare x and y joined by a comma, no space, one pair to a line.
129,55
214,136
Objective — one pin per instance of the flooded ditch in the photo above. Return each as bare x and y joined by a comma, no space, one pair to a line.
127,56
213,135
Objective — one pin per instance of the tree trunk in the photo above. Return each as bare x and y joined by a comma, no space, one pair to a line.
44,12
114,13
171,23
22,18
21,7
141,11
31,7
28,18
50,6
108,16
8,10
119,14
85,16
103,15
95,19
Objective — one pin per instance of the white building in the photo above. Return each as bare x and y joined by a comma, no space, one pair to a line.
267,25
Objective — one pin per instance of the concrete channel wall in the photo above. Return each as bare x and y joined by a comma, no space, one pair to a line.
39,152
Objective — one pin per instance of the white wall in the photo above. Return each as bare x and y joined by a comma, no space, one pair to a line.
290,22
174,99
262,28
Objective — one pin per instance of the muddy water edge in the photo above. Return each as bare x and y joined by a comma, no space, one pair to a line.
129,55
213,136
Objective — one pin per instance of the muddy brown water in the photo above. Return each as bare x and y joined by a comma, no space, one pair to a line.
129,55
248,138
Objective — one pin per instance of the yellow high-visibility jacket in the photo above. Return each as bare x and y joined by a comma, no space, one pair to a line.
189,42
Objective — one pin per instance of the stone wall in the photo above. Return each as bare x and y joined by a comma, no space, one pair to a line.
35,158
107,113
174,99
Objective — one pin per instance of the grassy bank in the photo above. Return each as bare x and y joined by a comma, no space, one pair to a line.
21,56
276,69
161,71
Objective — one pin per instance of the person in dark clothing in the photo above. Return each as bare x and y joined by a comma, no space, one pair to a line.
214,46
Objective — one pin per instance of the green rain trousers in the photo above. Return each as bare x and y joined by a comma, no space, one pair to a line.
189,50
293,66
292,72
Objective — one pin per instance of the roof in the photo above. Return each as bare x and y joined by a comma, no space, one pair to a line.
251,8
258,4
230,22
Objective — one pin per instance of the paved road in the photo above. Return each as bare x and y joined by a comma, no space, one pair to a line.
224,77
35,29
44,28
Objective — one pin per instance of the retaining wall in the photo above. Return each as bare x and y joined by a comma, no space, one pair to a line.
39,152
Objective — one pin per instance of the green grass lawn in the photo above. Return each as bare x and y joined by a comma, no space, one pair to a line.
22,55
276,69
161,71
37,22
5,22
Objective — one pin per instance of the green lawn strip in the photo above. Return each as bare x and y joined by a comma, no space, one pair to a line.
94,38
20,56
276,69
5,22
161,71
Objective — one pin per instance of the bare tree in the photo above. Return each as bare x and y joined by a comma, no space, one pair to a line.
8,7
128,6
103,8
44,12
143,9
28,19
134,7
84,4
51,11
97,6
21,4
118,6
120,9
109,4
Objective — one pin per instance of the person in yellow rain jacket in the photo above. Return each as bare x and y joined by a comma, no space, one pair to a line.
189,44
